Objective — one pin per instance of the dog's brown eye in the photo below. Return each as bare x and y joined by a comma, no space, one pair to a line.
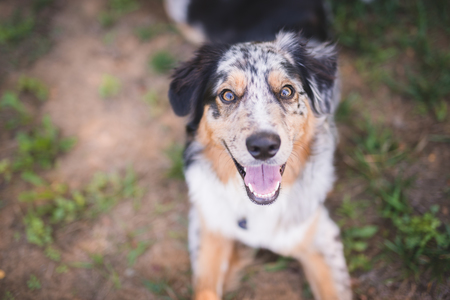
227,96
286,92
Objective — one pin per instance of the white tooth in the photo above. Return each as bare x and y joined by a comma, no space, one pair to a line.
250,187
278,185
245,169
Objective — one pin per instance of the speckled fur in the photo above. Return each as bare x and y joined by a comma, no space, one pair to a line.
297,224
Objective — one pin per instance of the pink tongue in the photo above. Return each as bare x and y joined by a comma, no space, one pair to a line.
263,178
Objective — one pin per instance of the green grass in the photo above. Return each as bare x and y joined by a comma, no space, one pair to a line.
420,241
376,150
344,111
5,170
99,264
61,269
282,263
175,155
116,9
109,87
382,31
430,82
157,287
16,28
134,253
155,103
8,296
24,34
162,62
40,147
16,114
33,86
33,283
355,234
52,205
146,33
396,43
53,253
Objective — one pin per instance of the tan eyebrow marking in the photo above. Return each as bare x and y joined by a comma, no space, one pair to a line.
277,80
236,82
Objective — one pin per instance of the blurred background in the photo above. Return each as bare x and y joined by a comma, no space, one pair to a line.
92,199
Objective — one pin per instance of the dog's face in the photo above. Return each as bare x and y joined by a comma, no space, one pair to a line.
253,108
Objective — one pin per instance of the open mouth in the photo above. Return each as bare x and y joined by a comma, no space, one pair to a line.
262,183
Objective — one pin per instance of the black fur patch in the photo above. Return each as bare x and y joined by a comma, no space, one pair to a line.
190,82
234,21
320,72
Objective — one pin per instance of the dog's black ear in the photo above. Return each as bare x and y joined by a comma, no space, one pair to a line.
190,80
316,64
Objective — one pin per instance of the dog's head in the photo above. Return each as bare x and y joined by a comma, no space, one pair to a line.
253,107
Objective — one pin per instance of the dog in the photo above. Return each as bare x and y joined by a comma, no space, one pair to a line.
260,138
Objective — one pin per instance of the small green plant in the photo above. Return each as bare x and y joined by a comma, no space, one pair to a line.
158,288
163,208
5,170
33,86
116,9
155,103
282,263
133,255
52,253
430,83
103,267
19,115
53,204
40,146
105,190
81,265
376,150
110,87
355,237
37,231
162,62
33,283
97,258
113,276
422,242
175,154
16,28
355,240
33,178
344,110
62,269
8,296
147,33
40,4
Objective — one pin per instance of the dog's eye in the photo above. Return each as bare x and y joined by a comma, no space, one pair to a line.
286,92
227,96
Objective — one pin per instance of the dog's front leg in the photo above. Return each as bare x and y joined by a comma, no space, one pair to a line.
210,258
321,255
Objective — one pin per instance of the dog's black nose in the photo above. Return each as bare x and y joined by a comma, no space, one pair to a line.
263,145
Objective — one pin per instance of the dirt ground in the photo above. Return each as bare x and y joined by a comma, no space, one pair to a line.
122,131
